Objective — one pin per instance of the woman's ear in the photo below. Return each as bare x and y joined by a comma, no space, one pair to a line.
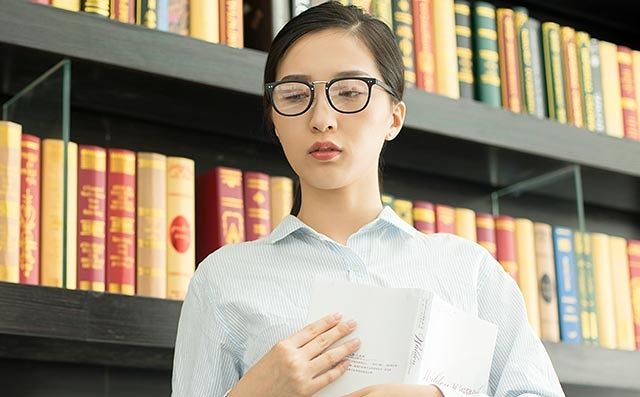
399,112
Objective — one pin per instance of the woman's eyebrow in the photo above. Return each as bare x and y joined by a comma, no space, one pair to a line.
347,73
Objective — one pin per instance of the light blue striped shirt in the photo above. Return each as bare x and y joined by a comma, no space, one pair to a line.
246,297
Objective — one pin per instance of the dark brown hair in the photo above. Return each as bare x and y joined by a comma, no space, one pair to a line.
374,33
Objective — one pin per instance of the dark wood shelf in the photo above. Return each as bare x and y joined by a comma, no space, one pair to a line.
54,324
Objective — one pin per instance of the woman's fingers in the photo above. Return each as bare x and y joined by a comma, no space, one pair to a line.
326,339
309,332
333,357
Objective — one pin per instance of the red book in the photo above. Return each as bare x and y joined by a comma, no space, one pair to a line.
121,222
628,94
445,219
257,201
30,210
486,231
424,217
506,244
220,209
41,1
423,41
123,11
634,271
92,186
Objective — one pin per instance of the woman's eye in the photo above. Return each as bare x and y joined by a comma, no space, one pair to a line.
350,93
295,97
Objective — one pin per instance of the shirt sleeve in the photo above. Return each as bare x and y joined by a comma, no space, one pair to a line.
204,363
521,365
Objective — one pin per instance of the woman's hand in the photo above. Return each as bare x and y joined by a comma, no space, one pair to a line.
397,391
299,366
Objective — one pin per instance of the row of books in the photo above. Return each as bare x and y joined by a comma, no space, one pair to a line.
577,287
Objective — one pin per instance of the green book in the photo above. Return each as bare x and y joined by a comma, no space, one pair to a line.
528,40
598,99
583,47
540,97
403,29
485,52
586,288
381,9
387,199
464,50
553,71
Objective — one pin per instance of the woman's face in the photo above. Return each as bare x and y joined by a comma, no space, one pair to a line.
359,136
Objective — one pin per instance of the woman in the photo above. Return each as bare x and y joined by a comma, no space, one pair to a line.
333,92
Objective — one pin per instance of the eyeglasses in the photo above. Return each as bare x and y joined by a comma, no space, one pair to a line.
344,94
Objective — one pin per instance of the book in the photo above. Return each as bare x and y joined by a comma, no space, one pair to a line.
257,205
585,80
612,97
464,51
70,5
403,30
445,219
380,9
387,200
178,15
123,11
424,217
204,23
91,218
636,76
485,53
147,13
601,252
596,75
444,27
586,288
71,264
423,40
510,80
404,209
151,225
10,164
628,94
552,49
220,209
30,210
121,222
413,336
281,198
181,225
545,266
465,224
506,244
525,58
633,250
527,271
537,65
486,232
567,283
620,277
97,7
571,74
231,23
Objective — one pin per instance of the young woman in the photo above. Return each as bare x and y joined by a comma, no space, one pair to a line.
333,94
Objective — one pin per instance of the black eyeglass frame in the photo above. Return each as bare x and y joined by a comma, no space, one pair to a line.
371,81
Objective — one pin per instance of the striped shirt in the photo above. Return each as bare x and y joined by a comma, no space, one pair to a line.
246,297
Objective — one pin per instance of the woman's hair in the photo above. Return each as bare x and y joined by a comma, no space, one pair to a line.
374,33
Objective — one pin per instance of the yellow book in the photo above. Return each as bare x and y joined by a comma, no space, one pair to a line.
181,254
281,199
204,23
444,28
527,271
151,225
600,251
636,74
10,162
465,224
583,43
72,216
625,339
404,209
573,95
71,5
545,267
611,94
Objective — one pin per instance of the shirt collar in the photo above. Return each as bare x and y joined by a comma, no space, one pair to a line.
387,216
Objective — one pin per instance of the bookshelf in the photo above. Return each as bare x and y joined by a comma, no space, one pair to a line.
155,90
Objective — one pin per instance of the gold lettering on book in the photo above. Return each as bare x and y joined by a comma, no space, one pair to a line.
150,19
232,227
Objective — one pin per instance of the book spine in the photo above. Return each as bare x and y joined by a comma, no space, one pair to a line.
583,46
424,217
510,80
583,293
525,58
98,7
404,209
612,97
178,17
387,200
636,77
71,5
590,286
485,40
633,251
231,23
257,205
573,96
552,50
424,45
281,198
628,93
30,210
625,336
486,232
123,11
600,250
465,224
204,23
403,29
533,26
151,225
445,219
92,186
528,281
568,303
444,26
71,264
121,222
380,9
506,244
598,95
10,161
549,326
147,13
162,7
464,51
181,254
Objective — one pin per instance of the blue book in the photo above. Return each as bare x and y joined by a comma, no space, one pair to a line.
567,283
163,15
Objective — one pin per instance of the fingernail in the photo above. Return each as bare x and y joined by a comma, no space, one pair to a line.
337,315
351,324
355,342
